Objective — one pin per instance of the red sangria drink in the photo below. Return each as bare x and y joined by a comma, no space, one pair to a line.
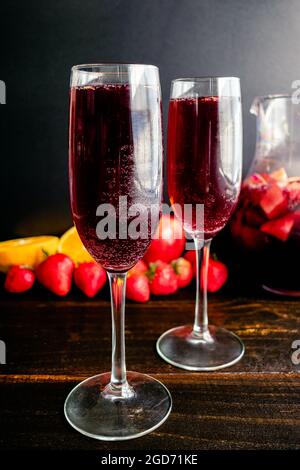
107,135
196,160
266,226
204,172
115,172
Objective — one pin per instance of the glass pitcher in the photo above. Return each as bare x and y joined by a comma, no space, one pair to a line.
266,223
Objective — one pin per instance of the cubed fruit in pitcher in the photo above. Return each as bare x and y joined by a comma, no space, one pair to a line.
280,176
279,228
293,193
274,202
255,180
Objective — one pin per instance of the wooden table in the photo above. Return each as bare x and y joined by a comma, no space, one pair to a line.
54,343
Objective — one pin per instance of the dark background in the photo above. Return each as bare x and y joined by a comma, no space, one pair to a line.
257,40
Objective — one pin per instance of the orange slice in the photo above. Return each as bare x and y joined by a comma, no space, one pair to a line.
70,244
26,251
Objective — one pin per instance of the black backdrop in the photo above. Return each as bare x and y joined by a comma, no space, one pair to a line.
257,40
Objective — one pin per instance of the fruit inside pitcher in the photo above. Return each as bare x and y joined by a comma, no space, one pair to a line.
266,225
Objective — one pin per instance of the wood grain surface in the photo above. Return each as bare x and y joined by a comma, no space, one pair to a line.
52,344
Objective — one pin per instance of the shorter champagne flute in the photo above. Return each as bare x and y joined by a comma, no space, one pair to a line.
204,169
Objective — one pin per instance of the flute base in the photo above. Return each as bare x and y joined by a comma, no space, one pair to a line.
215,349
97,410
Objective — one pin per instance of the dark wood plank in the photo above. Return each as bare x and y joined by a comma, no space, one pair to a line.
74,336
211,411
53,344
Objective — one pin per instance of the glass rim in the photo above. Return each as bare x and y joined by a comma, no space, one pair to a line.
274,96
204,79
82,67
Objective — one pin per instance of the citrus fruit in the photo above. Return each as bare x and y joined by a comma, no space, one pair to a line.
71,245
29,251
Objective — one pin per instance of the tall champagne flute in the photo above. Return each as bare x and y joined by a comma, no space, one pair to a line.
115,166
204,168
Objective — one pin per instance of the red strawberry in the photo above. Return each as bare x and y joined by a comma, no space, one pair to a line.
163,280
279,228
217,275
255,180
138,268
168,243
293,193
217,271
268,177
190,256
90,277
55,273
184,271
274,202
255,195
137,287
19,279
253,189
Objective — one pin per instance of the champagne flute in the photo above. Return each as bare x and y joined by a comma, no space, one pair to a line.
115,164
204,168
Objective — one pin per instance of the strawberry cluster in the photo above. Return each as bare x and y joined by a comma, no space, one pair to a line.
57,273
162,271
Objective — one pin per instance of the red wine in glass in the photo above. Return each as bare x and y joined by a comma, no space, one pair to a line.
204,168
104,132
115,172
195,173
